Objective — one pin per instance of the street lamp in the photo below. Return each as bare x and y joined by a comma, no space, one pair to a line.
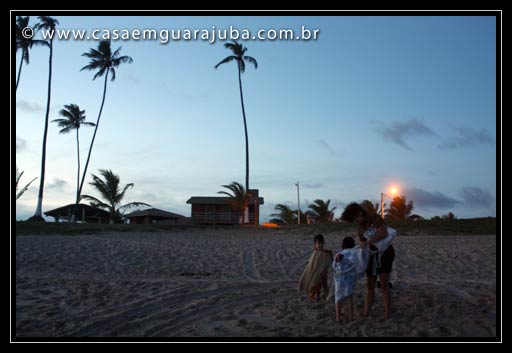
392,192
298,203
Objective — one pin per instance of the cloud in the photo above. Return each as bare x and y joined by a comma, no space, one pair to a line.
475,196
21,144
327,146
28,106
57,184
313,186
466,137
132,78
149,197
427,199
399,131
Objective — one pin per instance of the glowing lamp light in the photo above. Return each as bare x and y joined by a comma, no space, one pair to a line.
393,191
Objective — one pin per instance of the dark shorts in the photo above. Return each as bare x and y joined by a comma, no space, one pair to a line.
386,262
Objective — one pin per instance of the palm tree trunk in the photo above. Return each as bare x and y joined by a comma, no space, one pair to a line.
19,71
93,136
112,214
39,208
246,136
77,174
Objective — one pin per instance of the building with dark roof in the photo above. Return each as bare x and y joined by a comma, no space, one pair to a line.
216,210
153,216
84,213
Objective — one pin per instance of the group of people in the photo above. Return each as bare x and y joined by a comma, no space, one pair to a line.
373,257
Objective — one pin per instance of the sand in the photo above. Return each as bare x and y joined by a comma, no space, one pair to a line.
241,283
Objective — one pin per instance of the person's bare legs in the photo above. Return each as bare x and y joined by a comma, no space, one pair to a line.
338,310
384,280
325,284
370,294
350,303
315,291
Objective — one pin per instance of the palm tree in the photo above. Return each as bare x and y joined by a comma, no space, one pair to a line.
25,42
238,200
47,23
286,214
399,208
450,216
74,118
240,57
104,62
320,210
25,188
111,193
369,207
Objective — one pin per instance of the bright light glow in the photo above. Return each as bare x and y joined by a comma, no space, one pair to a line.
393,191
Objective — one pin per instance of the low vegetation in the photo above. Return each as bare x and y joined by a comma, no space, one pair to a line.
405,227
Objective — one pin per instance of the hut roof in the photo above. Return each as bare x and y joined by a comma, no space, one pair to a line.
154,212
215,200
90,211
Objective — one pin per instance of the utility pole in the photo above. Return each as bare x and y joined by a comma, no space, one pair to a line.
298,203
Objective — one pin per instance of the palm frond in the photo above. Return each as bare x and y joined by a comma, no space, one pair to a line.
132,204
122,60
241,65
113,76
231,46
94,201
103,60
226,60
74,118
251,60
47,22
108,187
25,188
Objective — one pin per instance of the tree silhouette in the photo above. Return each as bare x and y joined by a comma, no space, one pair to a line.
238,199
369,207
25,188
320,210
110,191
25,42
74,118
239,56
104,62
285,215
399,208
47,23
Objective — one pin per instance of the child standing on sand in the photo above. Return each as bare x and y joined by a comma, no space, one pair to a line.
346,266
314,276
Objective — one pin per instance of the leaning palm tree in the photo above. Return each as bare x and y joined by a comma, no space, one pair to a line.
285,215
238,199
25,41
320,210
104,62
110,191
399,208
47,23
74,118
240,57
25,188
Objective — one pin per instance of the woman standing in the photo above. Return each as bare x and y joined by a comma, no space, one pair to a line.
373,230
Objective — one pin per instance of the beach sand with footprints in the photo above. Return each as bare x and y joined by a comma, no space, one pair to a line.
241,282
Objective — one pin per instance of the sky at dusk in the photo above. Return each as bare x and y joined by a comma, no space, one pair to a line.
372,102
